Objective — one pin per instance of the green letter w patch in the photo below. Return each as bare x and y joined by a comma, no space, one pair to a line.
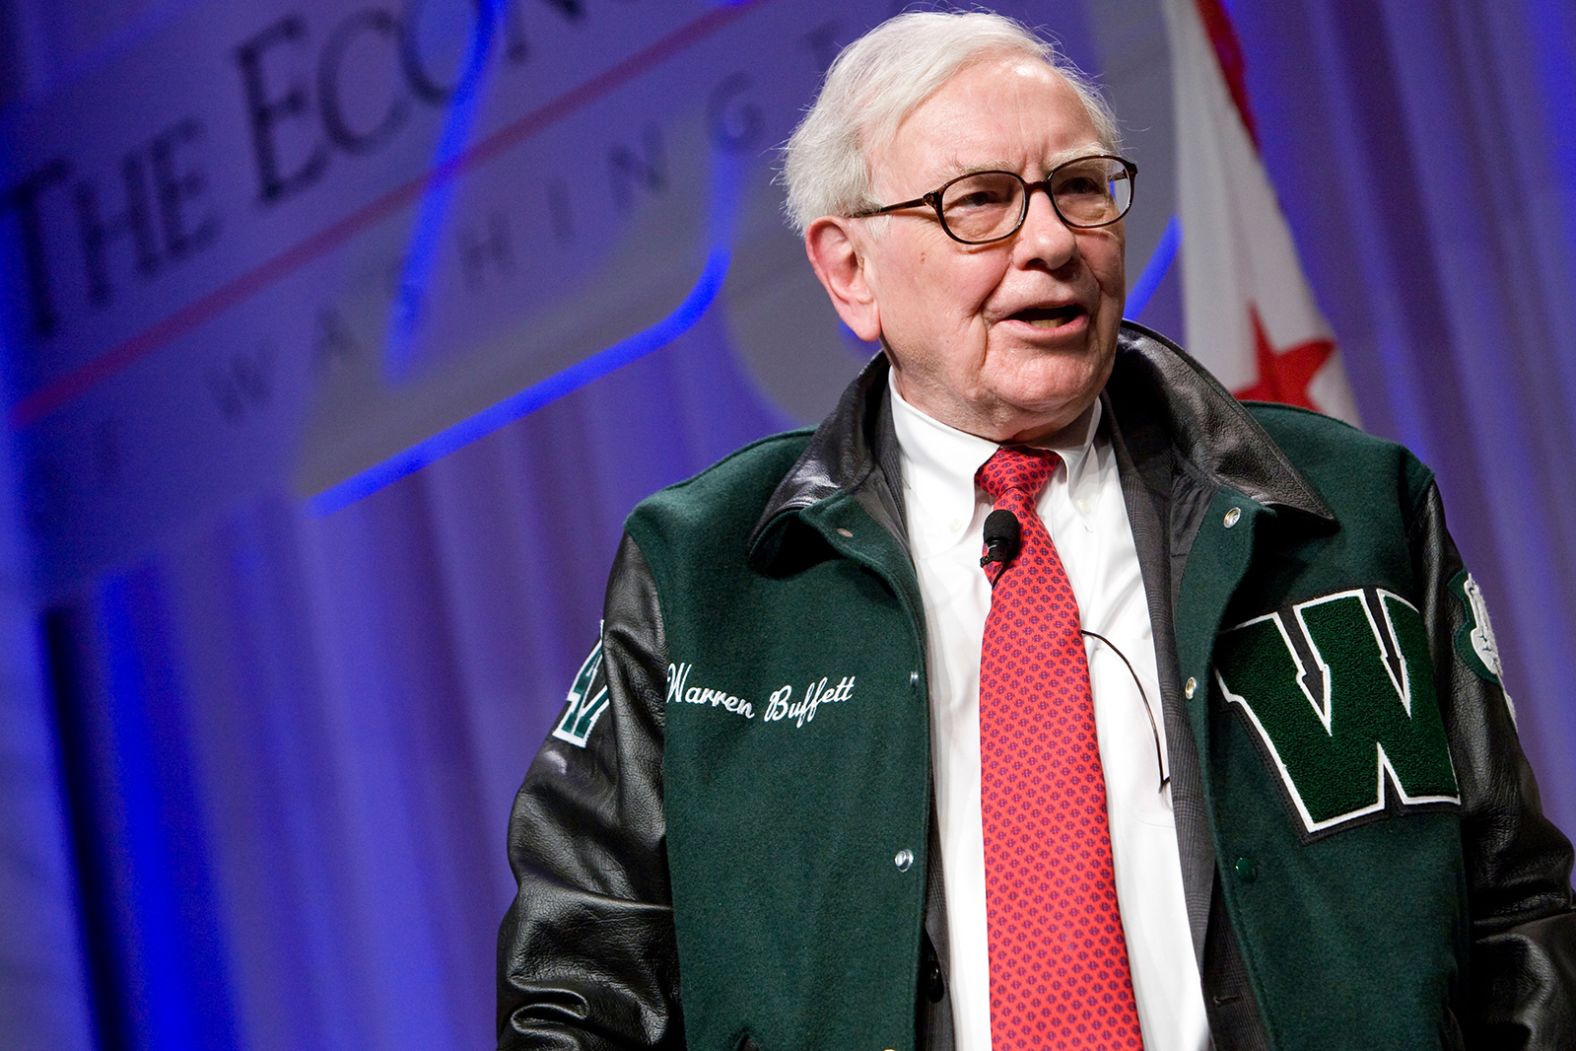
1341,695
585,706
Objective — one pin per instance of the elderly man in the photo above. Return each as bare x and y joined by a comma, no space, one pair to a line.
1044,696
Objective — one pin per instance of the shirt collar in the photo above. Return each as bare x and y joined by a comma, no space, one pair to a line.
939,464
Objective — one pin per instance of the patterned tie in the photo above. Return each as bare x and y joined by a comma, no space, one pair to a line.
1058,960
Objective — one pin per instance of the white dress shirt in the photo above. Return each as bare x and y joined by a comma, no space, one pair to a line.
1082,508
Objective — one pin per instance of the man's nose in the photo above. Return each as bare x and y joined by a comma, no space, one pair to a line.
1044,237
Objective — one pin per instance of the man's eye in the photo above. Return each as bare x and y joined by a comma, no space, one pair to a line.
1081,186
976,197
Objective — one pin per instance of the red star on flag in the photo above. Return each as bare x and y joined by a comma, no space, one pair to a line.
1284,374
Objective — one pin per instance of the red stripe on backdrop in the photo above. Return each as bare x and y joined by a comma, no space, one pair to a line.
1228,52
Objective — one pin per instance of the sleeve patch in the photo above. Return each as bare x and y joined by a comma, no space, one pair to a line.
587,700
1474,641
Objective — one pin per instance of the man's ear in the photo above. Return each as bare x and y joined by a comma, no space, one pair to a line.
841,264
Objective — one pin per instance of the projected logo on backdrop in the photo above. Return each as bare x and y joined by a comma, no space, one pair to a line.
279,245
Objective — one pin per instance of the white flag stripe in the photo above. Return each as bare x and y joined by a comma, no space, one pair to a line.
1238,256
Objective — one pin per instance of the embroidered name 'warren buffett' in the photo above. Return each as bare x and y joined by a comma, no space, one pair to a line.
780,706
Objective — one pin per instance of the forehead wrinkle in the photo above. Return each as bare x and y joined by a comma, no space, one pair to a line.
956,167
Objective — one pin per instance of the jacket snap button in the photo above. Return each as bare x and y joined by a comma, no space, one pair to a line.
903,859
1190,687
847,533
1233,517
1246,869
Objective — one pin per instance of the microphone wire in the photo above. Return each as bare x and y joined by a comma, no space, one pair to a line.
1160,760
1001,545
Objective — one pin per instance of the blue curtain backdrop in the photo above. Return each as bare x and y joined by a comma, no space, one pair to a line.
256,781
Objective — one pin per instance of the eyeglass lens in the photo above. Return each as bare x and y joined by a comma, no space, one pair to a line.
988,205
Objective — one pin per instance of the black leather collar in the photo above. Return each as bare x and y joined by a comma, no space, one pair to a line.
1153,384
1208,428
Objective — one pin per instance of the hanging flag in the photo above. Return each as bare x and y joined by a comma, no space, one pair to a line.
1249,313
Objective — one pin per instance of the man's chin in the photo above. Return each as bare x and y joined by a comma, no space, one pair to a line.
1038,410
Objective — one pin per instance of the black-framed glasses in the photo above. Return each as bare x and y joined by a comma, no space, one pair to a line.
981,207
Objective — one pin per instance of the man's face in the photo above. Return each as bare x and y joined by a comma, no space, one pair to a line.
1011,340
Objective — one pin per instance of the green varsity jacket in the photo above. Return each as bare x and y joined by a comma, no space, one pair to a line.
727,842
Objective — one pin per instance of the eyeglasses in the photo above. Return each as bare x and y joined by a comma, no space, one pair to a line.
981,207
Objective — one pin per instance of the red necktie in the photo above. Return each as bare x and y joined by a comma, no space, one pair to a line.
1058,960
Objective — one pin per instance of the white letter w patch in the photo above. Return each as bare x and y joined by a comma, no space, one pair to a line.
1340,695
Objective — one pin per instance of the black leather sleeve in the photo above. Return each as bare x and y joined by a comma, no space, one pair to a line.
1523,965
586,953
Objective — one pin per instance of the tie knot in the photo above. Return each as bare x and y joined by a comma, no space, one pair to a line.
1016,467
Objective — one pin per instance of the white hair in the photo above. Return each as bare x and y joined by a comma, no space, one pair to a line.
880,79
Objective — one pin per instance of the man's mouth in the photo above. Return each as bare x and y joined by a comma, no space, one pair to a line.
1049,317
